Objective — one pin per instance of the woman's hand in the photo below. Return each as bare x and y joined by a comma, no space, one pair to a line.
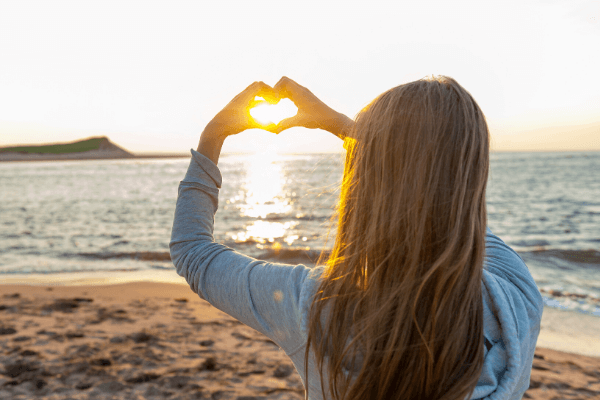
235,118
312,112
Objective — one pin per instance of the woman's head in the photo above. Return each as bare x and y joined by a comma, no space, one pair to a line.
420,162
408,256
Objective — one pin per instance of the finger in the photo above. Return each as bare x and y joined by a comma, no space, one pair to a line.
257,125
255,103
260,89
271,100
288,123
286,87
285,81
269,127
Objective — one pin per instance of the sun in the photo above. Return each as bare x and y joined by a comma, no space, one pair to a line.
266,113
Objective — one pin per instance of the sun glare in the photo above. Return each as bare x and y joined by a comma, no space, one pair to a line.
266,113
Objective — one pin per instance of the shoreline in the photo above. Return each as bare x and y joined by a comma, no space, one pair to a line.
155,340
561,330
87,158
79,157
94,278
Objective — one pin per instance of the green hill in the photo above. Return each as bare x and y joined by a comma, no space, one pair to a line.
61,148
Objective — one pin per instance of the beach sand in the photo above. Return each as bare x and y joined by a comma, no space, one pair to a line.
151,340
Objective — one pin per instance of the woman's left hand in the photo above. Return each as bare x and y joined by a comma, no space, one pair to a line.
235,117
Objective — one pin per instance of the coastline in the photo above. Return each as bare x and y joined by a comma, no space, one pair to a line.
144,339
79,157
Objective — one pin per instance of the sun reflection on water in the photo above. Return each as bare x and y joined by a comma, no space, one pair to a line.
264,187
266,231
266,200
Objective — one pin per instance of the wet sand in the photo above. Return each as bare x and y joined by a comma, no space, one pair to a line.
149,340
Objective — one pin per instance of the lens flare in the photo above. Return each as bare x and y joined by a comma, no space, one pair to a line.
266,113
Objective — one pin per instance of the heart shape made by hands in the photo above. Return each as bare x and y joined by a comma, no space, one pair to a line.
266,113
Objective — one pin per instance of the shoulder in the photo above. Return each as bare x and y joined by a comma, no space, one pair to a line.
504,268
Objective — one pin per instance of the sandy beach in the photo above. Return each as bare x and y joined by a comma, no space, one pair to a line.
151,340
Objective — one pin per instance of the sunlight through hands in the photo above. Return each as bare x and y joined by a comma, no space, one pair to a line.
266,113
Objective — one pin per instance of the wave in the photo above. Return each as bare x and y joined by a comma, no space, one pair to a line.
245,242
573,296
162,267
291,255
43,271
591,257
298,217
585,303
136,255
576,256
275,253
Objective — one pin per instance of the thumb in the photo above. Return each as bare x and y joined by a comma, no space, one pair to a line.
287,123
256,103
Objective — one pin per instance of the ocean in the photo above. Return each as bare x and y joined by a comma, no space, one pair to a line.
116,215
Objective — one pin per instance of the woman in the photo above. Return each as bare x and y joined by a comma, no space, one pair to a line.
418,299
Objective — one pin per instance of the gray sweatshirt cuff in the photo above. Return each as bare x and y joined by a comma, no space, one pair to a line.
202,167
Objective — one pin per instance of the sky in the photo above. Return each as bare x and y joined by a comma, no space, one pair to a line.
151,74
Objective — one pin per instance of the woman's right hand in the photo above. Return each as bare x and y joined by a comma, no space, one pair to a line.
312,112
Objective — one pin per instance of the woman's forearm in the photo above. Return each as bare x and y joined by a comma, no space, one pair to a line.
341,126
192,244
211,143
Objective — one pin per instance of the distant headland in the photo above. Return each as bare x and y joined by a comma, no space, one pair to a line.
94,148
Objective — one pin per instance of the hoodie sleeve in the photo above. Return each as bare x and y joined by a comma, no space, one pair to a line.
265,296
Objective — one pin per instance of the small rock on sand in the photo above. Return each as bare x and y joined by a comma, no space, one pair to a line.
110,387
63,305
83,385
74,335
101,362
142,378
142,337
182,300
117,339
175,382
7,331
29,353
16,369
283,371
210,364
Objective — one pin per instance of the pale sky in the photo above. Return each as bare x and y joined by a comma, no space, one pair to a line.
151,74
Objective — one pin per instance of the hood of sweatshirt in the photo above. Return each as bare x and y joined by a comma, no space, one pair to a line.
512,313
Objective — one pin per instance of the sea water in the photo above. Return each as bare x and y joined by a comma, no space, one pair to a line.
116,215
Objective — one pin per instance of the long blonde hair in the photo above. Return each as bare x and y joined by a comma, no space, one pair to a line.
405,272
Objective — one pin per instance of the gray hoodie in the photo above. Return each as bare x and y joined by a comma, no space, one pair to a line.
274,299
